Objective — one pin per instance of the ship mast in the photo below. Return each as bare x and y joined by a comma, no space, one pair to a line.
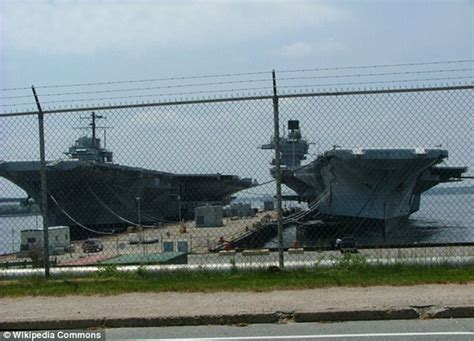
93,124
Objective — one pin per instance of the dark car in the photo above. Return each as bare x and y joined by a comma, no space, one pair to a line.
71,248
347,244
92,245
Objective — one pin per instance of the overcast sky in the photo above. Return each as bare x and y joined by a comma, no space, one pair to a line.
60,42
51,42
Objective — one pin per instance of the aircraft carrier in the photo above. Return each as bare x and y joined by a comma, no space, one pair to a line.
361,188
93,195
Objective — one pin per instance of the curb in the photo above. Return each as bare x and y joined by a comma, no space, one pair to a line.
429,312
357,315
436,312
142,322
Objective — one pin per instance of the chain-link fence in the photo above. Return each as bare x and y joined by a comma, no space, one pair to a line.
386,173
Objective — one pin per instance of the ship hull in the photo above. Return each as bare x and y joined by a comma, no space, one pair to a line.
99,197
371,188
376,229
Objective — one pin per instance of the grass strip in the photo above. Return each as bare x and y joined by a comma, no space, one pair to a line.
109,281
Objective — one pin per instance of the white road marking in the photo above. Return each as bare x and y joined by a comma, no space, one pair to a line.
333,336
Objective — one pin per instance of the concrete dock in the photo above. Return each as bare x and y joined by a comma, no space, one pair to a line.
196,240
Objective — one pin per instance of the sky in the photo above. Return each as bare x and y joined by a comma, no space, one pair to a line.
55,42
47,42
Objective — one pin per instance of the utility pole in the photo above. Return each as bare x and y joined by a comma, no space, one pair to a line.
44,187
276,141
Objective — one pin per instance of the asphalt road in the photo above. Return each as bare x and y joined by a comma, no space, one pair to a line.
438,329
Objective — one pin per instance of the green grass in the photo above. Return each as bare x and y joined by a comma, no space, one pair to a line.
109,281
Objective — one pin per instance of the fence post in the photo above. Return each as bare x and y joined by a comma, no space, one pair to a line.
276,134
44,187
13,240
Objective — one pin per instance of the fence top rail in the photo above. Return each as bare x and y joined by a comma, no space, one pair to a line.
241,98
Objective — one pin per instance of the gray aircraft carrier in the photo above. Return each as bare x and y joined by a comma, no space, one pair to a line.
90,193
361,187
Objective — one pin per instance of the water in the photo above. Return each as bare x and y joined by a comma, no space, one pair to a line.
442,219
10,228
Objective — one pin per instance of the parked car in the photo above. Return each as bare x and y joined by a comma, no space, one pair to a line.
92,245
71,248
348,244
134,238
58,251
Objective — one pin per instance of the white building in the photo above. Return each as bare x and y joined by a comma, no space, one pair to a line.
58,236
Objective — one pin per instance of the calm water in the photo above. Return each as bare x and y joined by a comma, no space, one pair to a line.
442,219
10,228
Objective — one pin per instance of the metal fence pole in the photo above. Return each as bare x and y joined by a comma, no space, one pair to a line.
13,240
276,133
44,188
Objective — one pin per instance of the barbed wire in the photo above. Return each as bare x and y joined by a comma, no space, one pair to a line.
143,96
378,66
246,97
376,74
141,80
241,74
242,90
376,82
144,88
241,82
